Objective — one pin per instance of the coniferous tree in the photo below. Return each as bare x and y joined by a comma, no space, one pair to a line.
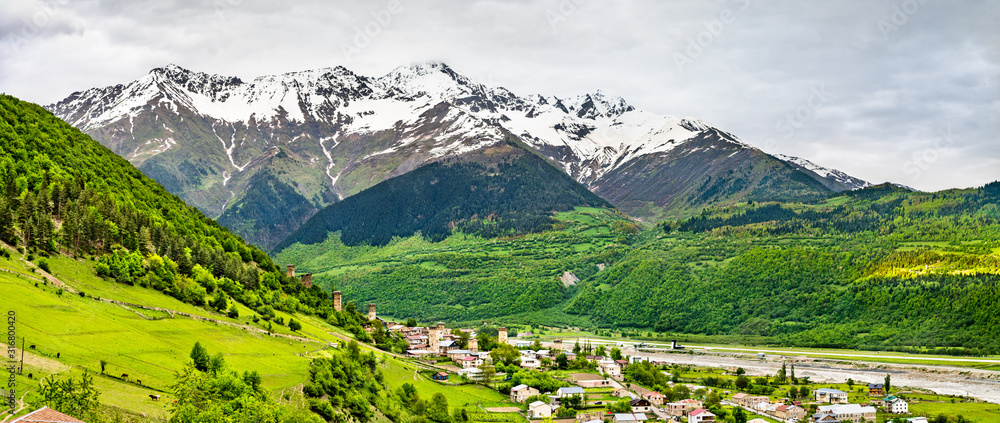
200,357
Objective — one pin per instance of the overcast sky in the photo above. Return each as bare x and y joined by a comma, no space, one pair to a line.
885,90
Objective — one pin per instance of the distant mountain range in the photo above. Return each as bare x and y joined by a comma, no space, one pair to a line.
267,154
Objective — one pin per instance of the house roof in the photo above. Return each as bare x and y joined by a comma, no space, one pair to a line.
536,404
830,391
470,358
630,417
446,343
845,409
639,402
701,412
519,387
571,390
441,374
740,395
47,415
874,386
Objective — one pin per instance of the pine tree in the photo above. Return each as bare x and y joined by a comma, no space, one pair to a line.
200,357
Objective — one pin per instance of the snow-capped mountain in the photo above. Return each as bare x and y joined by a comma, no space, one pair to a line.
832,178
326,134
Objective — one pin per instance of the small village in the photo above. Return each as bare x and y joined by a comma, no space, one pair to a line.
570,382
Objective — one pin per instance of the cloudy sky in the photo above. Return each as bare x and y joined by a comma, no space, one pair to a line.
886,90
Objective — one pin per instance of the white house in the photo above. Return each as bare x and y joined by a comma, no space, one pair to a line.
610,368
472,373
630,418
530,363
539,410
522,392
833,396
573,390
470,361
896,405
850,412
701,415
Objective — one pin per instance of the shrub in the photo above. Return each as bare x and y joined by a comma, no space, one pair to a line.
44,265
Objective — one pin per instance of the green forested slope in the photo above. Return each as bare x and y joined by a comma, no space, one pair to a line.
73,209
506,191
877,268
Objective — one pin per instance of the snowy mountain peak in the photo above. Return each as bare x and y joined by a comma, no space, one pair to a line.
832,178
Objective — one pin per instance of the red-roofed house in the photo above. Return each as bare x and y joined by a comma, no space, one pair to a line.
47,415
701,415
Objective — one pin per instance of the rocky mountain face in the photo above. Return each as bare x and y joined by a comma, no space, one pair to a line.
264,155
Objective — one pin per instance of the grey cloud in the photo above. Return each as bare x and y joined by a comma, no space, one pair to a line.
893,90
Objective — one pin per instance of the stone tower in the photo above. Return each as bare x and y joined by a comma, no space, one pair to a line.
502,336
557,345
371,312
307,280
290,271
473,345
433,340
337,298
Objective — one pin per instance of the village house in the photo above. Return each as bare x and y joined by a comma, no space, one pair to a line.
522,344
470,361
449,345
700,416
748,401
610,368
790,412
849,412
641,405
472,373
833,396
630,417
416,339
522,392
530,363
599,383
655,398
440,376
458,354
46,414
876,390
683,407
823,418
896,405
573,390
539,410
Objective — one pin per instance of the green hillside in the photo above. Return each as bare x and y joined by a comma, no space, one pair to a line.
466,277
113,282
503,190
880,268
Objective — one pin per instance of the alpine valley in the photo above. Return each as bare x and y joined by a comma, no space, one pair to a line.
263,156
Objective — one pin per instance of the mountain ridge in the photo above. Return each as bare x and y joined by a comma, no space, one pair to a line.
206,135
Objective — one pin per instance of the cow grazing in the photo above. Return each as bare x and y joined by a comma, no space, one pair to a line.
154,397
31,347
138,382
30,375
125,376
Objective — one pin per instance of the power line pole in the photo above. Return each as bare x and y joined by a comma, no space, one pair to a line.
20,370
